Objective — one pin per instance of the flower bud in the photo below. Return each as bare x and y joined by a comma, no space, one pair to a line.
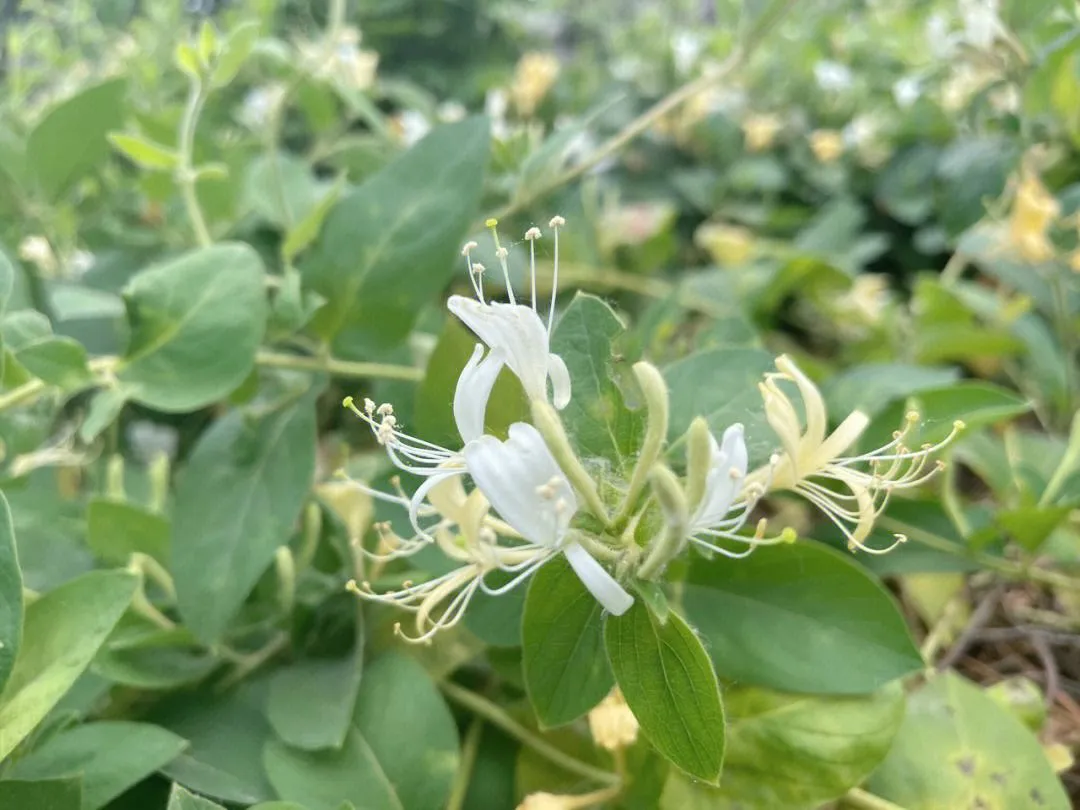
612,724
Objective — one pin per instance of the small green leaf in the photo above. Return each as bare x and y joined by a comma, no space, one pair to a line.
49,794
207,44
872,386
61,633
11,597
311,702
70,140
566,670
596,418
801,618
237,501
180,799
958,748
196,322
390,246
105,406
816,749
322,779
668,682
59,361
110,756
234,53
409,730
144,152
307,229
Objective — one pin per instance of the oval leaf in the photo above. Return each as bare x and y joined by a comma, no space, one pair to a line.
196,322
817,748
665,675
959,748
236,502
566,671
311,702
61,633
180,799
47,794
800,618
110,756
11,601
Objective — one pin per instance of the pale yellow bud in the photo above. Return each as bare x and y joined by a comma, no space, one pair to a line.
760,131
533,77
37,249
612,724
827,145
546,801
727,245
1033,212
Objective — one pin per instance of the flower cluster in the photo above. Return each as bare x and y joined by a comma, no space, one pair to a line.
511,505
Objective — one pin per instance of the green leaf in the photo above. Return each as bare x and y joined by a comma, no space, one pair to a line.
975,403
237,501
282,189
305,231
958,748
110,756
323,779
801,618
150,666
278,806
196,322
311,702
70,141
566,670
180,799
434,414
7,286
11,600
226,734
116,529
814,750
410,731
104,408
50,794
596,418
872,386
58,361
1031,525
143,152
61,633
721,386
391,245
668,682
234,52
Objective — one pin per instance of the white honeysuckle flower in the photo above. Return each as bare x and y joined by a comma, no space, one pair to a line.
832,77
982,25
906,91
515,331
812,458
525,486
727,500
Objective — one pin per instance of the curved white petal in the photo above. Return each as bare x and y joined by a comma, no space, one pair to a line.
523,483
560,381
727,470
514,331
473,391
602,585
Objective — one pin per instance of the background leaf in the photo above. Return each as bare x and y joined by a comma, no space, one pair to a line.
61,633
48,794
11,597
669,684
311,702
239,497
387,247
180,799
196,322
800,618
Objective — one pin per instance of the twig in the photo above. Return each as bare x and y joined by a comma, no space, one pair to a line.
979,617
864,800
468,759
1050,669
497,717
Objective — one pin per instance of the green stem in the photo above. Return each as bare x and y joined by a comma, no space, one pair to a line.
497,717
339,368
26,392
1007,568
468,760
1068,464
864,800
185,171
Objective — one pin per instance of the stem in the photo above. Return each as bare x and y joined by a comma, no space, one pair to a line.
468,760
339,368
185,172
500,719
1068,464
24,393
647,119
1007,568
857,797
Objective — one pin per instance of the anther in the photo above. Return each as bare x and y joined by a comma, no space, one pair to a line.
557,221
532,233
369,406
501,252
478,268
386,409
468,247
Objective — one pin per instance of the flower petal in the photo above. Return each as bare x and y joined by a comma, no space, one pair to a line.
523,483
473,391
725,478
560,381
602,585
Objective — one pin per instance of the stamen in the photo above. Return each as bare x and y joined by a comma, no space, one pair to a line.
555,223
531,236
501,254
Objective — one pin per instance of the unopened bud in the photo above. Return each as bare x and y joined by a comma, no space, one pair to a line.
612,724
546,419
699,444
